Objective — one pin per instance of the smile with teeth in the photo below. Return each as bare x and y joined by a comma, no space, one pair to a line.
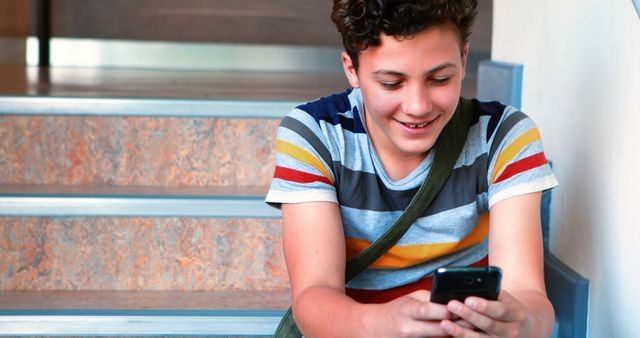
418,125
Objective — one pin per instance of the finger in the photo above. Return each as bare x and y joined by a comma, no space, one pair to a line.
409,327
507,309
493,309
420,295
477,319
430,311
425,329
464,324
419,307
457,331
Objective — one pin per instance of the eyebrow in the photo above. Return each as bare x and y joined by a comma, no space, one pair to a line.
431,71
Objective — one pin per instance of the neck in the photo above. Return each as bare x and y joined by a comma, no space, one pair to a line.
399,167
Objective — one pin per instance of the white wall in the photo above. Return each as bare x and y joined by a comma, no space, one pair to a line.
582,87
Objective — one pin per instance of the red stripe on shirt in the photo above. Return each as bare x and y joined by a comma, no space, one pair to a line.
299,176
383,296
522,165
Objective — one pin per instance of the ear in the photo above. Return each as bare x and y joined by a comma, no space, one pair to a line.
465,53
349,70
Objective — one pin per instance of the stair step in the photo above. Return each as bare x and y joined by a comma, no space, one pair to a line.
198,323
101,201
141,253
157,107
78,82
126,127
136,151
145,186
230,313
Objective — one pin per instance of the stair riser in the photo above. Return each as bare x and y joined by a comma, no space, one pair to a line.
49,253
133,151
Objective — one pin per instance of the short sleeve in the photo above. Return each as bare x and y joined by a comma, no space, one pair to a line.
517,162
303,171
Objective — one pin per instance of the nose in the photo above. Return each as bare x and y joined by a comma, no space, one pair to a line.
417,101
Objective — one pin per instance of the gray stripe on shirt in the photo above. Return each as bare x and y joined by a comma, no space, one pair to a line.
462,188
306,133
504,129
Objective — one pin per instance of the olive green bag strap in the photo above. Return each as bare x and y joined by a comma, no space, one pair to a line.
447,151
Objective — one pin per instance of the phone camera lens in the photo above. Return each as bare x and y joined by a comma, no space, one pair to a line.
469,280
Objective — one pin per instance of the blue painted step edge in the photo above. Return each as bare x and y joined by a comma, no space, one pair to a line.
82,106
139,322
138,206
133,201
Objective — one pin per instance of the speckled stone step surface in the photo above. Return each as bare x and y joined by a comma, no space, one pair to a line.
141,253
130,313
136,151
276,300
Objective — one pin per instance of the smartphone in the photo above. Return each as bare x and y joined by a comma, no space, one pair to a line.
461,282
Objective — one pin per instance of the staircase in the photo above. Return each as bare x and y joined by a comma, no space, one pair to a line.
131,202
131,196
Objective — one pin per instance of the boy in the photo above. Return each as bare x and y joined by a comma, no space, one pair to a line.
348,165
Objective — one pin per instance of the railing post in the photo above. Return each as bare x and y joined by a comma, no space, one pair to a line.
43,29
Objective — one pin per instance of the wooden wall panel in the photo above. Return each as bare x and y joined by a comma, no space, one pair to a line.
238,21
14,18
12,51
14,28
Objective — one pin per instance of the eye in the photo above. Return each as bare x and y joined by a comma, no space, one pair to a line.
390,85
441,80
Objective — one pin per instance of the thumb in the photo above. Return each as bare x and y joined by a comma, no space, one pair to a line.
420,295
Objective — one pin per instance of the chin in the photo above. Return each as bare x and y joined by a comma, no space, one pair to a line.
422,150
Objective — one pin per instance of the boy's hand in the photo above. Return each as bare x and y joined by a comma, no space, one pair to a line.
506,317
408,316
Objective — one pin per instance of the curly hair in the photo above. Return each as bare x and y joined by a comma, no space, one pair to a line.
360,22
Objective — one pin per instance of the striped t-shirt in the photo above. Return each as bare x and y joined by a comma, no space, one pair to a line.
323,153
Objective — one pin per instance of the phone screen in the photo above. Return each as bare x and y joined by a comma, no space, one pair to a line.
461,282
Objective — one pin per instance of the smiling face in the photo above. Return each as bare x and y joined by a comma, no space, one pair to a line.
411,89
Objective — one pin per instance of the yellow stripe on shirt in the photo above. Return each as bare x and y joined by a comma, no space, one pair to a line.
409,255
292,150
513,149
